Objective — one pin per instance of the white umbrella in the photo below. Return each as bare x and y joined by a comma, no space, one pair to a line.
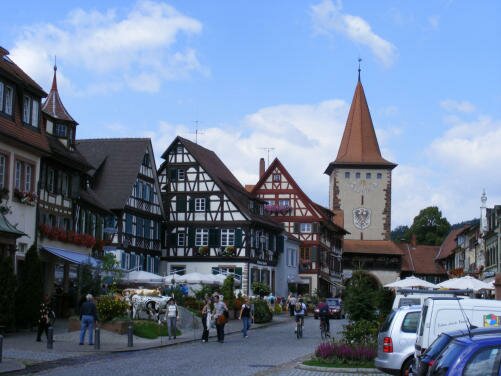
176,277
410,282
195,277
465,283
140,276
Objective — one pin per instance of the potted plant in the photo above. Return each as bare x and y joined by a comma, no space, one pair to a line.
203,250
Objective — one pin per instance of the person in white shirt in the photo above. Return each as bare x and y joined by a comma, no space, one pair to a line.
172,314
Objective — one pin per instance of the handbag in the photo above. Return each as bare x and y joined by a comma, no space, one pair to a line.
226,314
221,320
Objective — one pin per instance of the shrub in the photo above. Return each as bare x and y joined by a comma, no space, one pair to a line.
192,303
228,292
261,312
7,298
362,332
260,289
109,307
345,352
361,297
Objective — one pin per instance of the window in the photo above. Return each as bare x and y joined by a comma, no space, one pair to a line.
227,237
200,204
128,223
285,203
410,323
3,169
6,98
276,177
201,237
357,175
50,180
379,176
179,149
30,111
181,174
181,239
368,175
305,227
178,269
60,130
65,183
484,362
347,175
146,160
28,175
291,257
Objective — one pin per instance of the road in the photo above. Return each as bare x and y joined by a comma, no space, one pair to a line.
269,350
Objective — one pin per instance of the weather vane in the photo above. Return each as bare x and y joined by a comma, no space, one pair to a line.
359,60
197,132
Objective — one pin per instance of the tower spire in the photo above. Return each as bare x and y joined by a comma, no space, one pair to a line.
359,60
54,80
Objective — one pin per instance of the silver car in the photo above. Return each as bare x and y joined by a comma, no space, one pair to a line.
396,339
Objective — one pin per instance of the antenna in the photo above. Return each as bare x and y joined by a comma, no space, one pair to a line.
469,327
197,132
359,60
268,149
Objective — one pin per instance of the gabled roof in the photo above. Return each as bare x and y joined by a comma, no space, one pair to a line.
375,247
70,157
116,164
223,177
53,105
449,243
324,214
420,259
359,145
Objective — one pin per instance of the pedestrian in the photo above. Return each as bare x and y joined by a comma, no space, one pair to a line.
220,315
88,318
206,319
246,317
291,302
44,318
172,314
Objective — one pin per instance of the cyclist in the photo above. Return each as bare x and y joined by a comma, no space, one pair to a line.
299,311
323,314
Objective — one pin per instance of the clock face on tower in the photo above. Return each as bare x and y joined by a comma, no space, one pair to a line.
363,186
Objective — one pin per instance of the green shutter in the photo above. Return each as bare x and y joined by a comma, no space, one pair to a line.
173,174
207,204
296,228
172,240
238,237
213,237
191,237
315,227
314,252
192,204
180,203
272,243
280,244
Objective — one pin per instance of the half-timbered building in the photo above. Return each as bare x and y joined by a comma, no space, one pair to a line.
214,224
124,177
360,187
22,144
320,238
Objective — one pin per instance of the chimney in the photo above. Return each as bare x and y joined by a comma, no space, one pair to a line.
261,168
413,240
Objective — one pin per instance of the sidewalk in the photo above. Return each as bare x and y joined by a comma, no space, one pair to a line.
21,349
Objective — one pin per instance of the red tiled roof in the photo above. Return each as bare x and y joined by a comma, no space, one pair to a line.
420,259
449,243
53,105
382,247
359,145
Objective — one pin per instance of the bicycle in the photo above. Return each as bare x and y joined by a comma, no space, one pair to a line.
324,333
299,327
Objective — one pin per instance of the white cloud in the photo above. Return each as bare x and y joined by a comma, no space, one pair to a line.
327,18
457,106
434,21
141,49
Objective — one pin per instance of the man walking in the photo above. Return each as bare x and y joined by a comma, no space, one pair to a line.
88,318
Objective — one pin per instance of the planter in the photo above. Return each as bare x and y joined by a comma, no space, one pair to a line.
119,327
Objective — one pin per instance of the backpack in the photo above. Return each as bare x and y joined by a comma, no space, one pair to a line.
298,307
324,310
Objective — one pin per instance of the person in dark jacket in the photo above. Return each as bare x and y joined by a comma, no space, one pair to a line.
44,318
88,318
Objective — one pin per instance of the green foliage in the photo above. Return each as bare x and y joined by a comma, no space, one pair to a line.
228,292
260,289
110,307
193,304
30,289
362,332
151,329
110,267
89,280
176,292
7,298
292,288
430,227
261,311
361,297
401,233
206,290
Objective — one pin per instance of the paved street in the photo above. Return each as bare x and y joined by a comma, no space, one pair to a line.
272,350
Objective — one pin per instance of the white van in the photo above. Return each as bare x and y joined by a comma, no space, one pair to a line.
408,297
446,314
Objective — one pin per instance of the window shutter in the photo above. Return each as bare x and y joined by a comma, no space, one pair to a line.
280,243
207,204
218,237
296,227
141,262
315,227
172,240
191,236
123,261
192,204
238,271
272,243
173,174
238,237
314,252
148,263
212,237
181,203
75,186
132,260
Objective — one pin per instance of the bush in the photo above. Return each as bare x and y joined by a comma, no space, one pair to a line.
345,352
361,297
260,289
361,332
261,311
8,296
110,307
278,309
30,289
228,292
192,303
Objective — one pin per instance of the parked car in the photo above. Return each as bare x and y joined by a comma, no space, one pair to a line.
396,339
477,355
426,361
335,308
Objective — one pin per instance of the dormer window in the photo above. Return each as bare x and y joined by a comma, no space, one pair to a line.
31,109
60,130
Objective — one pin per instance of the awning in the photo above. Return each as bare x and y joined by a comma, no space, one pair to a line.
73,257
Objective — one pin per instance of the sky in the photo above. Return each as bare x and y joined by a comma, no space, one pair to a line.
251,75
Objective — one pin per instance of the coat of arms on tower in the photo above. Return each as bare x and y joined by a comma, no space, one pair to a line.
361,218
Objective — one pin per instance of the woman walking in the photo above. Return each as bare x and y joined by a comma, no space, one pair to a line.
246,317
220,308
206,318
172,315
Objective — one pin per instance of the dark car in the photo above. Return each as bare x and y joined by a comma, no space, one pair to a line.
476,355
429,357
335,308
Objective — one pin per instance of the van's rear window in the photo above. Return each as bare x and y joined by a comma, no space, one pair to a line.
386,324
408,302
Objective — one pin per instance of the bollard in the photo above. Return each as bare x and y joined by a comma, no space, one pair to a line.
97,339
50,337
1,346
130,331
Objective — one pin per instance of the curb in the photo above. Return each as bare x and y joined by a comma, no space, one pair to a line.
333,370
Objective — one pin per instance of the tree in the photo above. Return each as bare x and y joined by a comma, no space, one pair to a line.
361,297
430,227
261,289
401,233
30,289
228,292
8,296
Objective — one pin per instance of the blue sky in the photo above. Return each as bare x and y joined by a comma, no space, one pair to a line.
281,74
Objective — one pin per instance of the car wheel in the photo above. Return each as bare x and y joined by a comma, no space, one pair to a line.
406,366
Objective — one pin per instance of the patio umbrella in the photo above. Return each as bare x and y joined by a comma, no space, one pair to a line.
411,282
221,277
140,276
465,283
195,277
176,277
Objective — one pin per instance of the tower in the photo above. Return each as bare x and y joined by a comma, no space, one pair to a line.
483,214
360,178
